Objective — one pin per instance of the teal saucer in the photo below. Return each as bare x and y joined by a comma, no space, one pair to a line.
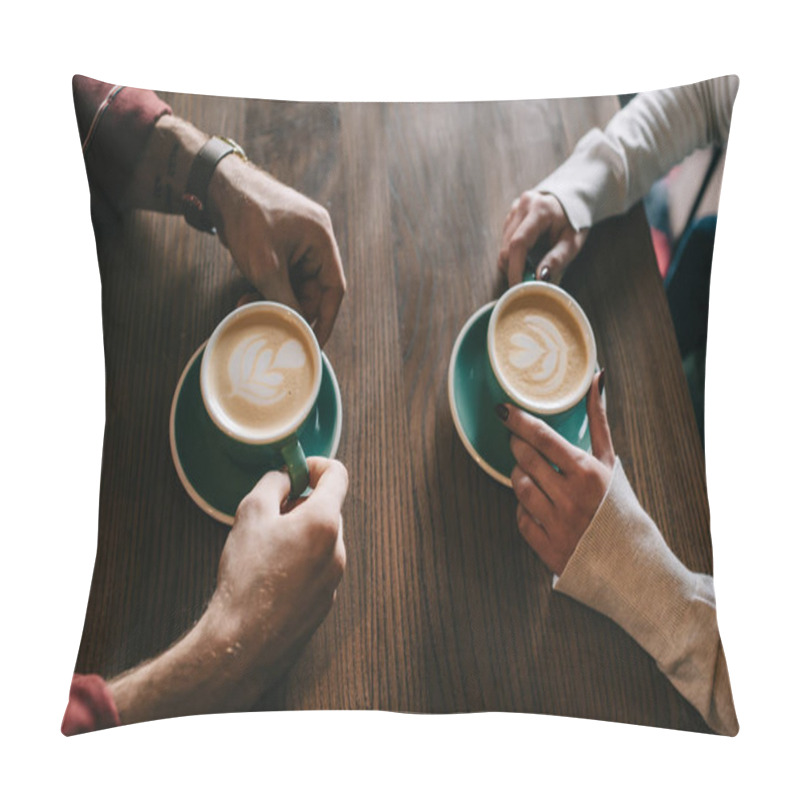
474,392
210,476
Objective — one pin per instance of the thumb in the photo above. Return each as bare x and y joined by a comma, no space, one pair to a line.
602,446
269,494
329,481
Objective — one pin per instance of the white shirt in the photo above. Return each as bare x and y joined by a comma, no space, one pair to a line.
611,170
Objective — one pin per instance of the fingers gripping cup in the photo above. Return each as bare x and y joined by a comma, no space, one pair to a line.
543,354
259,379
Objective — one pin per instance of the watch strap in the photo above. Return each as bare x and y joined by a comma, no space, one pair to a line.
195,196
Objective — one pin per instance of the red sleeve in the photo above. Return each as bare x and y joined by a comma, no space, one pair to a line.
90,707
114,123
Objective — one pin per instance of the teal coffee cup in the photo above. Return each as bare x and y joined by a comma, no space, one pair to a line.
260,376
543,355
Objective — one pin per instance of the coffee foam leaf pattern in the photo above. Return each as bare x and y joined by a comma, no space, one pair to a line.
542,353
256,375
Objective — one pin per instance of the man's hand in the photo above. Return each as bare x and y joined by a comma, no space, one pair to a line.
555,508
538,218
279,569
282,241
276,582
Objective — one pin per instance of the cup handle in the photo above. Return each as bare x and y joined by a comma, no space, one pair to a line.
529,273
295,460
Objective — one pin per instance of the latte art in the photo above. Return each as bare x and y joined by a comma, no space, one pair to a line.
256,372
261,374
541,349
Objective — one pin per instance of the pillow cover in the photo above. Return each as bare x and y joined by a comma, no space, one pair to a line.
475,581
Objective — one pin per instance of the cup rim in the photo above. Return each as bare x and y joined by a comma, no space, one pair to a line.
219,419
451,397
548,409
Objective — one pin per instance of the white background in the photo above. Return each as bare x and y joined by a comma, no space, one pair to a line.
53,391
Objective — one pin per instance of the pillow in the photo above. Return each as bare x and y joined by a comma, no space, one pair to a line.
475,580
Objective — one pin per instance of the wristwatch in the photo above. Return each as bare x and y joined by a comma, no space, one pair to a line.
195,196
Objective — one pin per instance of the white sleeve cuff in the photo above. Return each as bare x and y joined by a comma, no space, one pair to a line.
623,568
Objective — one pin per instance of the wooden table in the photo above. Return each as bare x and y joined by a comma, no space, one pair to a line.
443,607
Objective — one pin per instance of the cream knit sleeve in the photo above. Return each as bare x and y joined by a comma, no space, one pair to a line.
623,568
611,170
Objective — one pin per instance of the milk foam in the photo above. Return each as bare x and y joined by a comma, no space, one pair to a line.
541,352
541,349
257,372
261,374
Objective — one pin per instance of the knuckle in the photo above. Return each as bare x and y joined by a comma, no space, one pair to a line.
535,433
517,242
339,561
527,495
544,202
537,205
323,218
597,485
328,531
524,489
341,470
586,465
251,507
516,444
573,245
580,462
523,521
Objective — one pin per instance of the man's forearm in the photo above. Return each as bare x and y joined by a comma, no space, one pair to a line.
204,672
160,177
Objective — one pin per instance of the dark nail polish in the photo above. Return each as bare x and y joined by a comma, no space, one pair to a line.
544,274
601,381
501,411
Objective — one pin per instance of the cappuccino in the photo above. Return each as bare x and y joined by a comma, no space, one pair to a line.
542,348
261,373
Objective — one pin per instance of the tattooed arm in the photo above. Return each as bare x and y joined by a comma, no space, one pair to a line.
139,156
160,177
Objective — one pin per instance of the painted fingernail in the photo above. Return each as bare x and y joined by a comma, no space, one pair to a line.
501,411
601,381
544,274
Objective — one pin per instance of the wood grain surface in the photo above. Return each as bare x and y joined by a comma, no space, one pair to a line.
443,607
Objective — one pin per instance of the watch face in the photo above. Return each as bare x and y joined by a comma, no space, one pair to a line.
237,148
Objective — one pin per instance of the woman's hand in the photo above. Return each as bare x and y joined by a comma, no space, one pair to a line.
282,241
538,218
556,507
